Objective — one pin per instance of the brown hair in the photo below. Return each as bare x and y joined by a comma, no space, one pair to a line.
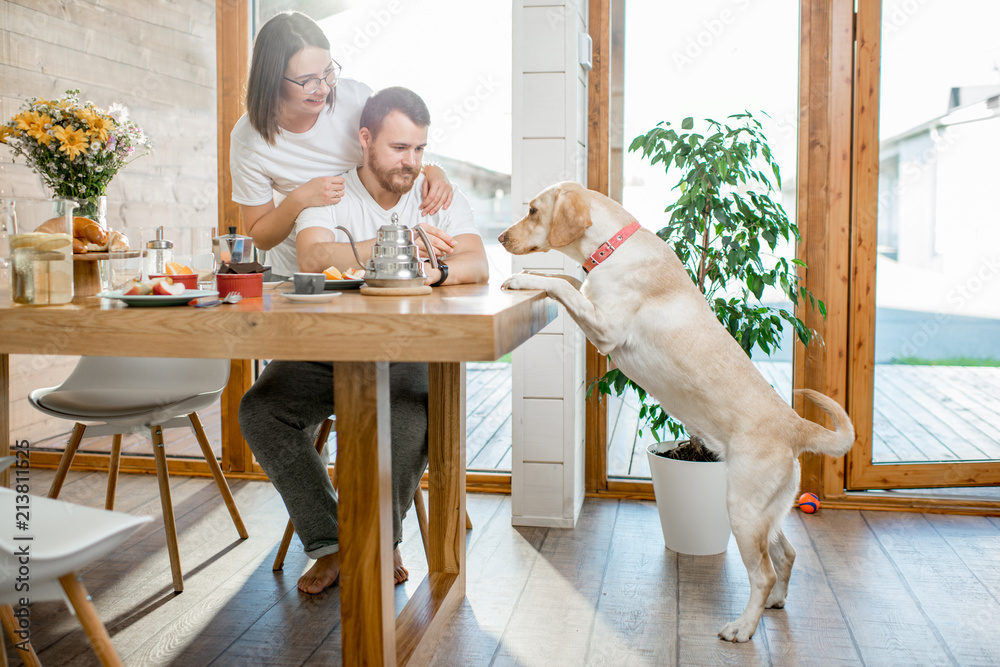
282,37
396,98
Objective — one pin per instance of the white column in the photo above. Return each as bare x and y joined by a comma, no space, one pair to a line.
549,145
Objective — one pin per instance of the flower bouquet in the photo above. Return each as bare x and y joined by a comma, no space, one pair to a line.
77,148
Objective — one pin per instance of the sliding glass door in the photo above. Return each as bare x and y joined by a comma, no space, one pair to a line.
927,263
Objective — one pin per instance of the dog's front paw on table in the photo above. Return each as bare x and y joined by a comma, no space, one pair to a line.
524,281
737,632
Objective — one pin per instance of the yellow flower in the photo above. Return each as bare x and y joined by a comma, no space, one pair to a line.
4,133
73,142
38,131
99,125
26,120
33,124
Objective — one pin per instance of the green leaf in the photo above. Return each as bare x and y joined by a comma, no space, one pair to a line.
687,123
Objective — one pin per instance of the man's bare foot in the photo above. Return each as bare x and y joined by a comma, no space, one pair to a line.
321,575
399,573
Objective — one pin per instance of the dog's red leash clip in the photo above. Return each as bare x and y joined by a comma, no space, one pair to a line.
610,246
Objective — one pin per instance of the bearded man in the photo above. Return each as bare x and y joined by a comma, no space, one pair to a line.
281,412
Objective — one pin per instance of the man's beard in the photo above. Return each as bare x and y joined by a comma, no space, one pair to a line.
392,180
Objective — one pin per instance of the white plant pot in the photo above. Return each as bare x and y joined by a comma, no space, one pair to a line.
691,500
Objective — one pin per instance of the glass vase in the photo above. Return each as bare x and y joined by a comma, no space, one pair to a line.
91,270
95,208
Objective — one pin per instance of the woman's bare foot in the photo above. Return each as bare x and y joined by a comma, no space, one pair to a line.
399,573
321,575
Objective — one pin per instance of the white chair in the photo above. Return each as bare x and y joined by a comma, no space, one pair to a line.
117,395
60,538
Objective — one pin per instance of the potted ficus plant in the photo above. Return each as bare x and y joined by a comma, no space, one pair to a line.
725,226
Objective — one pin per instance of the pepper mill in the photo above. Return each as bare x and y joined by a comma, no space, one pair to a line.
158,252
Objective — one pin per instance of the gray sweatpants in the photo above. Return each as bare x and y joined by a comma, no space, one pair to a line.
279,417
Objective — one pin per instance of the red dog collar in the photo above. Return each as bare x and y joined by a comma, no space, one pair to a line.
610,246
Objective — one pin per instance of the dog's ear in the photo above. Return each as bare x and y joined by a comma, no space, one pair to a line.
570,217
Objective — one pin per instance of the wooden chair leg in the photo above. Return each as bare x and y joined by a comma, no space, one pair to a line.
67,460
167,506
28,655
91,622
116,459
286,539
220,479
420,506
421,509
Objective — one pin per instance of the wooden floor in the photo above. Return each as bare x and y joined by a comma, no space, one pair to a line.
922,413
868,588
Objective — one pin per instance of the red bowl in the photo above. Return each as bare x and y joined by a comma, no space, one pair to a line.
247,284
189,280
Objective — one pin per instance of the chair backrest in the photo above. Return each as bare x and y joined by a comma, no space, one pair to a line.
182,376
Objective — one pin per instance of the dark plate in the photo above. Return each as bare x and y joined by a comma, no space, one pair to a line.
343,284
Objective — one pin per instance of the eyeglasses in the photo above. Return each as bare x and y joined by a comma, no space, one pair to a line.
310,86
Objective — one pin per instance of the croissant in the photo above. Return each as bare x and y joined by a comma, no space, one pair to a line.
90,231
88,235
117,241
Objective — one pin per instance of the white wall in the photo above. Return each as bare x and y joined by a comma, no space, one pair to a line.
549,145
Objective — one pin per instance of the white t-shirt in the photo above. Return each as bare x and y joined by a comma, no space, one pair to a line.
330,148
361,214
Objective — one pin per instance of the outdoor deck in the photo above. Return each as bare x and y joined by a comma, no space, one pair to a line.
922,413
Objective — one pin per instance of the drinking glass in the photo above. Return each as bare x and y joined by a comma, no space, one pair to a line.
193,248
126,265
40,237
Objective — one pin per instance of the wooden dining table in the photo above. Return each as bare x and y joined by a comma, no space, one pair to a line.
361,335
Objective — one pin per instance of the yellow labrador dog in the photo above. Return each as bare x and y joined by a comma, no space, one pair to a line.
639,306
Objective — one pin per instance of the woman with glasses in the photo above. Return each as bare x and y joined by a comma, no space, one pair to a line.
299,134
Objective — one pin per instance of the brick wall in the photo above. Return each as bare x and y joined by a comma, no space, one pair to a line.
158,58
154,56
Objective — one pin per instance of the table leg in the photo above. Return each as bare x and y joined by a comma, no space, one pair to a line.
426,615
364,515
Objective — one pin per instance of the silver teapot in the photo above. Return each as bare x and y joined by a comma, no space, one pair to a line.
232,248
394,261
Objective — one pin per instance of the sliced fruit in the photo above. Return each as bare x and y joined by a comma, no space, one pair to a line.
173,268
333,274
167,287
137,288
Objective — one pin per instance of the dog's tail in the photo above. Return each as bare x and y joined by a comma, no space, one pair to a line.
815,438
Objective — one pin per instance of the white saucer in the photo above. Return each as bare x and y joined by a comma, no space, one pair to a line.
271,284
306,298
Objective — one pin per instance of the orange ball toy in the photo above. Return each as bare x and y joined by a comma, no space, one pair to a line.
808,503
